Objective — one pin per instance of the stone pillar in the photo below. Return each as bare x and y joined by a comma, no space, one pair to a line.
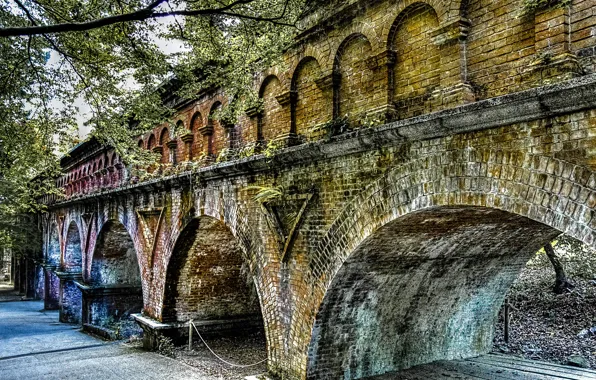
70,297
188,139
383,64
454,89
172,145
52,289
554,60
207,132
114,301
288,102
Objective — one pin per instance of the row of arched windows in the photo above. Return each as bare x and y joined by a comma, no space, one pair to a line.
102,172
357,84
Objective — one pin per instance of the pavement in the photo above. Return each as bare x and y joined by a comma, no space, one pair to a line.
34,345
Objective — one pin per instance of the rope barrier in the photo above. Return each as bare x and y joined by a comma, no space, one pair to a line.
220,358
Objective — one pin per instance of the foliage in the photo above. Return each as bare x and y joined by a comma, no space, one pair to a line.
116,56
336,126
165,346
576,257
267,194
272,147
530,6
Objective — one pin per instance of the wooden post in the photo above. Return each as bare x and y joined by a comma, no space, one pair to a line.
190,335
506,328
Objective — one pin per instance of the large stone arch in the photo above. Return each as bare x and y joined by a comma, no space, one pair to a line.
520,200
113,289
72,260
208,279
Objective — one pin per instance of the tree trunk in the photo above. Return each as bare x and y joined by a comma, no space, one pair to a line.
562,284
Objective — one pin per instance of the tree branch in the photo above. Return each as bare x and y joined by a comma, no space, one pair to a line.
140,15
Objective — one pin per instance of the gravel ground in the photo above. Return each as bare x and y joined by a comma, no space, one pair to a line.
548,327
243,350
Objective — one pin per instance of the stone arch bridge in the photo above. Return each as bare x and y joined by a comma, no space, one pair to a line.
384,248
427,150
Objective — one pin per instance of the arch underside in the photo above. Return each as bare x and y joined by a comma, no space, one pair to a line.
71,298
424,287
115,278
207,277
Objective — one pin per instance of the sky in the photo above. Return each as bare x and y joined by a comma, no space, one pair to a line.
166,46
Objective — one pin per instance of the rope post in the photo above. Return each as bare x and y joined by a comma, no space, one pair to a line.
190,335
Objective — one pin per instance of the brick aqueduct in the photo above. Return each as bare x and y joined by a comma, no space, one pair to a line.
471,143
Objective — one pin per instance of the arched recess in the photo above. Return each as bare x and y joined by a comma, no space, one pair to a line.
270,122
214,138
415,74
115,289
196,124
53,254
420,261
353,78
71,298
208,279
164,137
73,256
151,142
309,107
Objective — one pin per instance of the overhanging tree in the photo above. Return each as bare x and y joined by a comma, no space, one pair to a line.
107,52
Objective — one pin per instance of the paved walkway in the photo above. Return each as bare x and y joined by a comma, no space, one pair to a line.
34,345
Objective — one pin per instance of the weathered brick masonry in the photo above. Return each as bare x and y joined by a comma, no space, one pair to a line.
471,142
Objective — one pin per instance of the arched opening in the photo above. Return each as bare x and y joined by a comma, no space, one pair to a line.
73,256
214,138
114,290
71,299
52,282
164,137
270,121
424,287
308,106
151,142
196,145
353,84
415,74
208,280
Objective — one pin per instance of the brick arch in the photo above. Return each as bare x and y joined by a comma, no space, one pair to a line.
271,121
164,137
309,107
447,11
54,252
550,194
130,223
72,257
353,79
151,142
215,137
207,276
415,74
